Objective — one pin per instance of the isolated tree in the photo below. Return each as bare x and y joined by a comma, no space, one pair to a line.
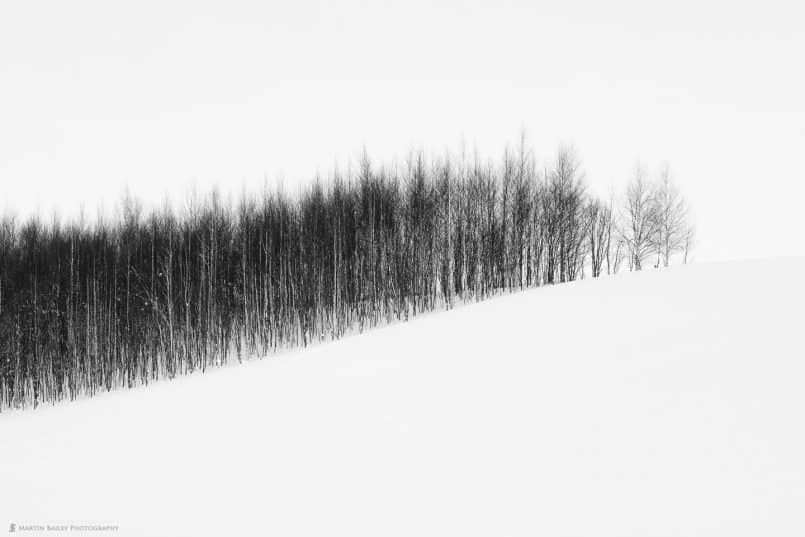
688,241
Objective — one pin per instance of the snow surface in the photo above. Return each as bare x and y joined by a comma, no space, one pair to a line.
654,404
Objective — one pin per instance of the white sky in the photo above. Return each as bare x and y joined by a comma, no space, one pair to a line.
159,95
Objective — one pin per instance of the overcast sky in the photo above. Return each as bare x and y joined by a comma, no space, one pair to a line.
158,95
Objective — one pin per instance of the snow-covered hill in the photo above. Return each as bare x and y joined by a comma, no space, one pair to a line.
661,403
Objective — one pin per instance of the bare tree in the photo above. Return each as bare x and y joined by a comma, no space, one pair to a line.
689,241
640,224
599,228
672,215
563,213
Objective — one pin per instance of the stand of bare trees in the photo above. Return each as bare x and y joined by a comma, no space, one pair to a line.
655,220
159,293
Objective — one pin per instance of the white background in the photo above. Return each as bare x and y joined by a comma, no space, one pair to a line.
158,96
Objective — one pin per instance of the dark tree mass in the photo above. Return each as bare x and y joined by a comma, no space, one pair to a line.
152,294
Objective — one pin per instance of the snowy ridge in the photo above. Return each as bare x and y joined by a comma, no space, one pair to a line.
658,403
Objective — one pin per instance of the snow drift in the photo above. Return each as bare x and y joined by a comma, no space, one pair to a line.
659,403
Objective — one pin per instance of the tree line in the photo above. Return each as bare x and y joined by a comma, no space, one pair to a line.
155,293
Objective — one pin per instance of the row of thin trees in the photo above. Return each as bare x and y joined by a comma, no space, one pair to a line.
152,294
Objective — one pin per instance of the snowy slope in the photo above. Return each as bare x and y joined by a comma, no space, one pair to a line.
661,403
